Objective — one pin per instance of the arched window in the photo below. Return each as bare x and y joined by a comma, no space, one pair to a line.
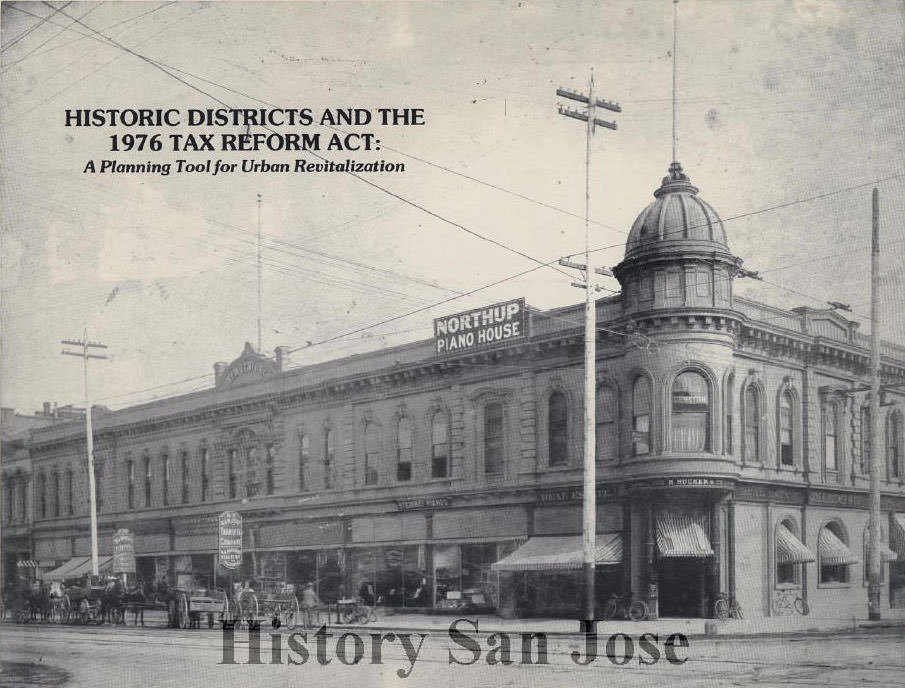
147,461
493,438
304,458
752,424
56,493
690,413
252,476
866,433
372,449
130,484
557,429
786,433
404,449
42,495
205,474
641,417
184,459
893,445
440,445
329,450
165,461
729,411
231,458
605,419
834,555
831,438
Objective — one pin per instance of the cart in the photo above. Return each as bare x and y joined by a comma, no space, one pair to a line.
276,602
192,603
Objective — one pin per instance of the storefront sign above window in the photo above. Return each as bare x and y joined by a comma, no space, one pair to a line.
828,498
123,551
689,481
230,540
566,495
423,503
501,322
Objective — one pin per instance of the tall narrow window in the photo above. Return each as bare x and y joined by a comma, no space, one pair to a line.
165,460
269,482
372,453
557,429
147,460
23,500
329,450
493,439
304,458
728,409
205,475
605,421
56,493
786,448
70,507
752,424
231,472
7,500
184,458
42,495
893,444
404,450
690,413
830,436
866,432
440,445
833,554
252,484
130,484
641,417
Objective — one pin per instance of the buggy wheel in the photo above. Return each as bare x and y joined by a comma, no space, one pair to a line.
802,607
721,609
735,611
293,614
347,614
183,611
638,610
609,611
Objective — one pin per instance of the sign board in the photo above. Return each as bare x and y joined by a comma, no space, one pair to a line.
123,551
496,324
230,540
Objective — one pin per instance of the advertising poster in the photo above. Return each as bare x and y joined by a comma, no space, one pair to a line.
531,342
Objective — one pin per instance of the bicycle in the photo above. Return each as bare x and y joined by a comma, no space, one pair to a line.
785,602
726,607
617,607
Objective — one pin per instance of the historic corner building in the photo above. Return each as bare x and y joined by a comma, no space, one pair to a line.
732,450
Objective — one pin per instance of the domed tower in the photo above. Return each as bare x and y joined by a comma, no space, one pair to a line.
676,256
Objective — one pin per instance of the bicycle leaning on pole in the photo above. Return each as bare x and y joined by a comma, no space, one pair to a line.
617,607
726,607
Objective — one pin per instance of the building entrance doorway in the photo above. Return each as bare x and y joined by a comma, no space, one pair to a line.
683,589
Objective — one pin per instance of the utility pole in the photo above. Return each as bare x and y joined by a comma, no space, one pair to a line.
589,500
89,433
873,555
260,283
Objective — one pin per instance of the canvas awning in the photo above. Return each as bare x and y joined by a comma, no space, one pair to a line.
682,535
26,564
76,568
789,549
833,551
560,553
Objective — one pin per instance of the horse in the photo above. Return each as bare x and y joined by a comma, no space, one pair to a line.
135,598
111,603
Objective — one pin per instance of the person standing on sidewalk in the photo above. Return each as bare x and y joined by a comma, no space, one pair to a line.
310,601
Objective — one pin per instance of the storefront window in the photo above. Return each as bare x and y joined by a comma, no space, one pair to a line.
447,565
404,450
690,413
493,438
786,455
439,445
372,447
752,424
833,568
557,429
605,419
641,417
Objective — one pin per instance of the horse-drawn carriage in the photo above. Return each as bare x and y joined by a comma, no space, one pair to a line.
275,601
93,601
193,603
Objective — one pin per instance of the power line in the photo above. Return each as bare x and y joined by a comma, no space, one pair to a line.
38,47
35,27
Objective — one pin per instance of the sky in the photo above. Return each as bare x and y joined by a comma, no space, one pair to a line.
788,114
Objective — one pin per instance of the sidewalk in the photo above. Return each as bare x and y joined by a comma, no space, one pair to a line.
488,623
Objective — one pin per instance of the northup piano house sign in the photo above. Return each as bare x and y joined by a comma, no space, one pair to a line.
481,327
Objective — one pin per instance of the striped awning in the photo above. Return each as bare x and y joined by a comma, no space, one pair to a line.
833,551
898,533
789,549
27,564
682,535
76,568
560,553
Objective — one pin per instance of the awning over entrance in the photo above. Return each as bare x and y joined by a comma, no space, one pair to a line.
27,564
682,535
560,553
77,567
833,551
789,549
